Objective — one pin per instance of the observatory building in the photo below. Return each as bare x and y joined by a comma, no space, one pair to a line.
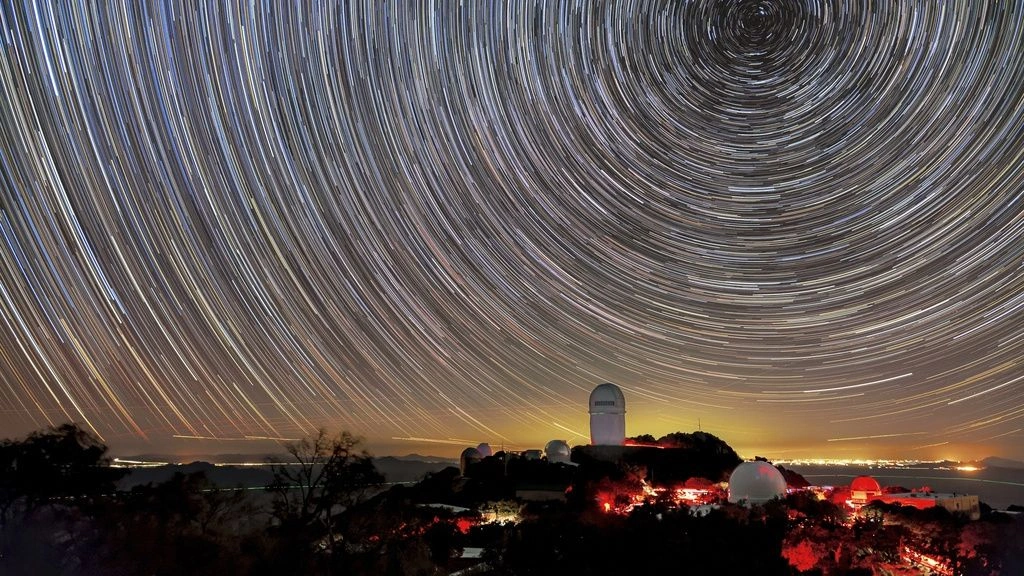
469,457
557,451
756,483
607,416
864,489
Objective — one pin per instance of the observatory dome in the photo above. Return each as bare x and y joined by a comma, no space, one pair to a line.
557,451
469,457
485,450
607,416
756,483
607,399
864,489
865,484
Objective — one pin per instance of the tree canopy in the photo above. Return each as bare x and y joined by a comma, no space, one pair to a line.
64,462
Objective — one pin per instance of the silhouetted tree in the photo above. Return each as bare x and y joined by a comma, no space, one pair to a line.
326,474
66,463
820,511
185,525
49,484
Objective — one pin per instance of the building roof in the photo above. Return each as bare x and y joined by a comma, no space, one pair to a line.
927,495
557,451
756,483
865,484
607,398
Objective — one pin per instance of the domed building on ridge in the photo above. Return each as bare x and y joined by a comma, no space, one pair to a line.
864,489
607,416
469,457
756,482
557,451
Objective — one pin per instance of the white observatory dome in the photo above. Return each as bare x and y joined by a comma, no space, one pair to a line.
557,451
607,399
607,416
469,457
756,483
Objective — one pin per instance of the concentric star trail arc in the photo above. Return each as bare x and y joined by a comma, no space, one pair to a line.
796,221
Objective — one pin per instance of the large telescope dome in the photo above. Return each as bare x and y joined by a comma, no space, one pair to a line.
469,457
607,416
557,451
756,483
607,399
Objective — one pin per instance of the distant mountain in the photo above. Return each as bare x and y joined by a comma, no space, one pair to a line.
262,458
408,469
223,476
213,458
421,458
997,462
793,478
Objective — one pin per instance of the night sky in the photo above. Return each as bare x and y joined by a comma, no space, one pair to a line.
796,224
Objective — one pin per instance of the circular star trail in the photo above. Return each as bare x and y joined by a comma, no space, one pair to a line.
799,222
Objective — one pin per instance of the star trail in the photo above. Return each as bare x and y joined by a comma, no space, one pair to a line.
799,223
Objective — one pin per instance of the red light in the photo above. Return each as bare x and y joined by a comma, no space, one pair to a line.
633,444
607,507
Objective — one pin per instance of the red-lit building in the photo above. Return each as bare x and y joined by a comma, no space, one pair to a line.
865,489
957,503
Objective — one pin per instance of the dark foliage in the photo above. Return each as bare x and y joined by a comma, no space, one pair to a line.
50,467
185,525
645,542
676,458
325,515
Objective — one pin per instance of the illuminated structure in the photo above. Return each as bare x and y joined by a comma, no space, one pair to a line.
469,457
607,416
965,504
557,451
756,483
864,489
